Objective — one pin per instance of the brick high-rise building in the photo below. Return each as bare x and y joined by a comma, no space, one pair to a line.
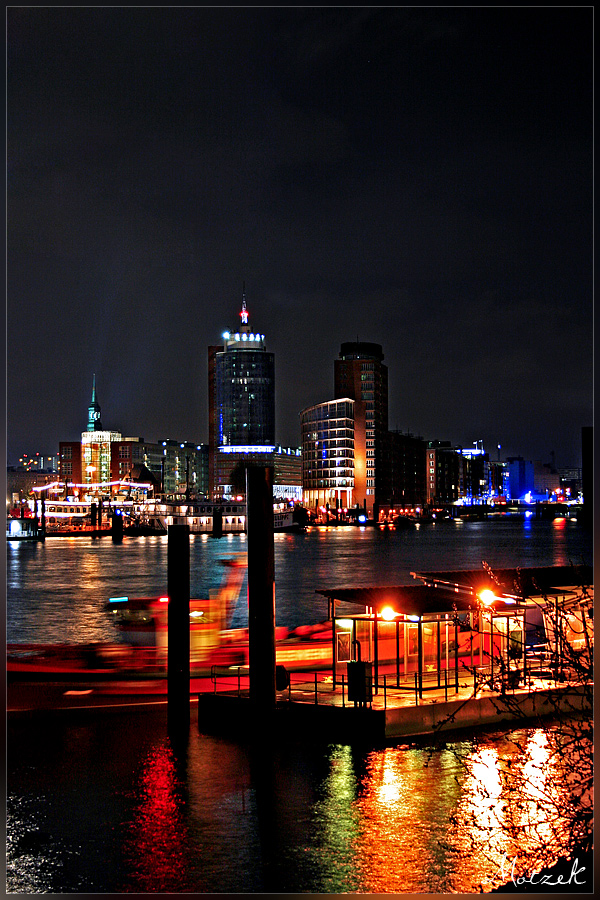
359,374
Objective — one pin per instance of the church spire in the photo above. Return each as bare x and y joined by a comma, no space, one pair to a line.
94,423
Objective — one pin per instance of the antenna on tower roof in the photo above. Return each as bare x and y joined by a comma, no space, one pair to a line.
244,311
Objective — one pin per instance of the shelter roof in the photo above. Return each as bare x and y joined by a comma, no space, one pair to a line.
523,582
411,600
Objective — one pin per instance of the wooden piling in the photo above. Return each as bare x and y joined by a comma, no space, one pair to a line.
261,587
178,627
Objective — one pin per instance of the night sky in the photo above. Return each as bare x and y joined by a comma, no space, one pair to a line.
415,177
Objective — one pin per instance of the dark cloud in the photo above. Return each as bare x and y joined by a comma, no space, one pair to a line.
417,177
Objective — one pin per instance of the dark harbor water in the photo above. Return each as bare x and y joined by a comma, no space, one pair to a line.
107,804
56,591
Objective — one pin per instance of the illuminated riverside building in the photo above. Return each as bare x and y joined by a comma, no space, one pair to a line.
402,471
101,460
96,445
241,383
96,455
184,469
360,374
287,474
442,473
328,454
88,461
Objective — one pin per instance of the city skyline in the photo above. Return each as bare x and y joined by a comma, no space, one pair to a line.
417,178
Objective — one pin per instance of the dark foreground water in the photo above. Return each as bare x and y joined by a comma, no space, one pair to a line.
108,805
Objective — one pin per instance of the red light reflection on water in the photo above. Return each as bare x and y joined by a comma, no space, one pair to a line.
155,845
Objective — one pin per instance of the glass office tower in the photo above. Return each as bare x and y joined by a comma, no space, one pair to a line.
241,407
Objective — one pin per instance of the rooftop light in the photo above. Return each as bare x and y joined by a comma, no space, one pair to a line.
487,597
388,614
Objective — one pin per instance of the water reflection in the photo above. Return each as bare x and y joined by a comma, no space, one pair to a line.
514,803
118,807
155,845
405,802
336,823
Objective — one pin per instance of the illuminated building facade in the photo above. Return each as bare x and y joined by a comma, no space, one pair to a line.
241,382
287,474
69,462
474,474
360,374
403,470
130,454
96,455
328,453
184,469
96,445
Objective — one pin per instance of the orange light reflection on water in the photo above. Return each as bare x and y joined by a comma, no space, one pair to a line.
392,820
384,823
510,810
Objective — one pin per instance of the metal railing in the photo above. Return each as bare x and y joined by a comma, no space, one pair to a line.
387,689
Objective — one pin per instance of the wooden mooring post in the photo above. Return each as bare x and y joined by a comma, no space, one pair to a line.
178,628
261,588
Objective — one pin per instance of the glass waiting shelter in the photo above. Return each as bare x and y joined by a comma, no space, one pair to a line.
557,605
423,635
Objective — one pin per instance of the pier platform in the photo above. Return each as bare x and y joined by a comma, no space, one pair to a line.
326,713
309,707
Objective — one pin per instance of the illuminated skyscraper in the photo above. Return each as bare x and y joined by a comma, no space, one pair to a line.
241,385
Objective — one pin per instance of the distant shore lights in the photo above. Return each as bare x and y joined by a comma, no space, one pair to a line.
142,486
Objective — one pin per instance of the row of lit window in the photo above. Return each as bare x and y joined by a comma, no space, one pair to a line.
344,467
330,483
335,411
327,426
331,447
331,436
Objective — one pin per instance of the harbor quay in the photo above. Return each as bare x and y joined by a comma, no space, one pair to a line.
398,719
